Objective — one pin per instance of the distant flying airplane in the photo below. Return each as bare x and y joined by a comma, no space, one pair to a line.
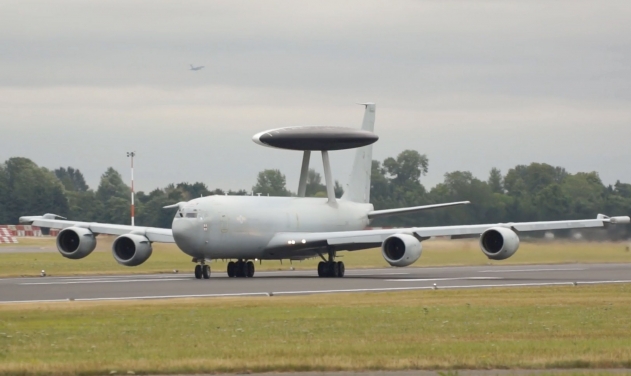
247,228
196,68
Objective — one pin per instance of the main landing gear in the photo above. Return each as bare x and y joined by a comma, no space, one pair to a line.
331,268
241,269
202,271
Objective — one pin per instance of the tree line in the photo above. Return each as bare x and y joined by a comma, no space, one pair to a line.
532,192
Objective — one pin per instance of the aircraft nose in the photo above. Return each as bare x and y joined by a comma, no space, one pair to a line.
185,236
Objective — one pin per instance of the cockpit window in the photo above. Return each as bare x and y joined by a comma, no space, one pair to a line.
191,215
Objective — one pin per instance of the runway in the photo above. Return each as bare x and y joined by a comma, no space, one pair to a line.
163,286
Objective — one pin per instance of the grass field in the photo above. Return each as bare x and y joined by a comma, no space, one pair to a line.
550,327
167,257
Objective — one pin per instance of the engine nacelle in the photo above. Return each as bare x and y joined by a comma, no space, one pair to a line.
131,249
75,242
499,243
401,249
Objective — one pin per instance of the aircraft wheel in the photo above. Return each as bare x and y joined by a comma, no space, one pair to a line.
231,269
198,271
249,266
340,269
335,269
243,269
239,269
321,269
206,271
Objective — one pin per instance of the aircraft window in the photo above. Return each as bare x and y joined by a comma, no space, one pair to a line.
191,215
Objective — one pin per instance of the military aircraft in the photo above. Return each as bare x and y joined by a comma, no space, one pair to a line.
196,68
247,228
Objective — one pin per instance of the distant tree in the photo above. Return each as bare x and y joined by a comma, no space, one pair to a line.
587,193
314,184
30,190
380,188
240,192
72,179
338,189
535,177
4,194
195,190
461,186
409,166
622,189
84,206
152,212
272,183
552,203
112,185
114,195
495,181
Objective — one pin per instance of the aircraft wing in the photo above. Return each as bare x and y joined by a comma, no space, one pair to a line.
154,234
285,242
387,212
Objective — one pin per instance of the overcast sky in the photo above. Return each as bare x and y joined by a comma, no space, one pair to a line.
472,84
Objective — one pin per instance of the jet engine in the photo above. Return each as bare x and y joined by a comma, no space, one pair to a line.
499,243
131,249
75,242
401,249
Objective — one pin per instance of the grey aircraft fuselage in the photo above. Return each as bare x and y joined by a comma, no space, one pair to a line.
224,227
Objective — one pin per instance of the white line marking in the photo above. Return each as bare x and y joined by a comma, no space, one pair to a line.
529,270
105,281
440,279
305,292
375,274
447,287
96,280
138,298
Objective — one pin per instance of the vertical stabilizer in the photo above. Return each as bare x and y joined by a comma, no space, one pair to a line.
358,187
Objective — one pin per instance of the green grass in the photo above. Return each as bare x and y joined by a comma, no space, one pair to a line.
167,257
528,328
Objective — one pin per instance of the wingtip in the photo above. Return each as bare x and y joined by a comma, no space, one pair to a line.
177,205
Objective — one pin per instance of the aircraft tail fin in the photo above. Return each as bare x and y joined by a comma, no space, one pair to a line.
358,187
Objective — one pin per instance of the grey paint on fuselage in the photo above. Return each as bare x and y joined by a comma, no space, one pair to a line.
227,227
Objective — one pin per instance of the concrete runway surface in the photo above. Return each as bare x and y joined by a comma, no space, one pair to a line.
8,248
163,286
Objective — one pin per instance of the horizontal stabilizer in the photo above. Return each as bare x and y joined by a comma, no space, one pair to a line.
413,209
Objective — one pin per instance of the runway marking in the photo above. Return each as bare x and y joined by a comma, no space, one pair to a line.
306,292
105,281
440,279
448,287
78,280
530,270
365,274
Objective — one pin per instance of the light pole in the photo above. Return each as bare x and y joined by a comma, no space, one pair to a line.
131,155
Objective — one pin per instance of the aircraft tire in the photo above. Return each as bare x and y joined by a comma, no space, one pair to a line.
321,269
198,271
206,271
335,269
240,269
340,269
249,266
231,269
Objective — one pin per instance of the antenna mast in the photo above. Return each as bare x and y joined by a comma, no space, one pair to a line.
131,155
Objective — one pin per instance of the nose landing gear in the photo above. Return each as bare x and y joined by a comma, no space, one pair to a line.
241,269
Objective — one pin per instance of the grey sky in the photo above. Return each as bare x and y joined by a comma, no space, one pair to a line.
473,84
